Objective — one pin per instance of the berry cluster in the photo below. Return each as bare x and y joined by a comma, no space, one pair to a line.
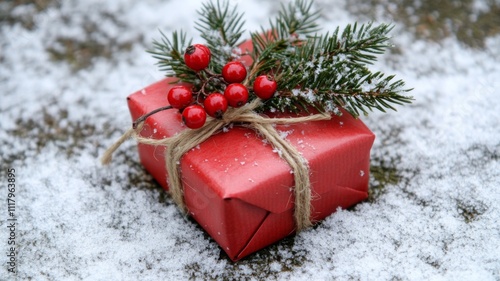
196,105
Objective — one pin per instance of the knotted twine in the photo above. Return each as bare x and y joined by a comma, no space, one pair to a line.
179,144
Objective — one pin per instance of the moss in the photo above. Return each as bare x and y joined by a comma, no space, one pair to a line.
257,266
436,20
383,174
25,19
71,139
69,136
79,53
470,211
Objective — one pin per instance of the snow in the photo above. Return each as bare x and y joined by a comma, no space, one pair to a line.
436,219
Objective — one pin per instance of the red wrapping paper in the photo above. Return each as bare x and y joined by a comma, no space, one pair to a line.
239,190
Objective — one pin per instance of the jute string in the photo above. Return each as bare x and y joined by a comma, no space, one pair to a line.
179,144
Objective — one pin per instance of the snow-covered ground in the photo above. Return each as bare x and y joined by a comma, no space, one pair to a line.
65,71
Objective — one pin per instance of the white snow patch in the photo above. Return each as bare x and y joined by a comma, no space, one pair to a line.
97,223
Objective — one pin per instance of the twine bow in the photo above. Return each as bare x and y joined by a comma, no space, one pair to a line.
178,145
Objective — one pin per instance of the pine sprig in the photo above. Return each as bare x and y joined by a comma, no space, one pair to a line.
361,45
331,71
221,26
169,53
296,18
295,22
326,72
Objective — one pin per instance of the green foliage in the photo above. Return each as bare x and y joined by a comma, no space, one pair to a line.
332,71
293,21
326,72
222,28
170,56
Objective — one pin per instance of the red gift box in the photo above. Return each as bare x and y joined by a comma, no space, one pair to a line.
239,189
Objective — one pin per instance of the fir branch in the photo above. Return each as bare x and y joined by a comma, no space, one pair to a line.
331,72
294,23
361,45
326,72
222,28
169,53
296,19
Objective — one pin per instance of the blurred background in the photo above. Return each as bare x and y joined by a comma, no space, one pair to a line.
66,68
468,21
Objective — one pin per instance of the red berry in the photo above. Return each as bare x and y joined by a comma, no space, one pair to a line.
179,96
215,105
204,48
197,57
194,116
264,87
236,94
234,72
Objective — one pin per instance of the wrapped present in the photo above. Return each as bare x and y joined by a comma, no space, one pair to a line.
282,148
238,188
